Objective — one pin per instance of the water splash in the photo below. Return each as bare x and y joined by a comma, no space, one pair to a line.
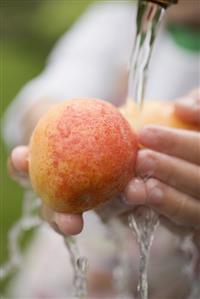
80,267
143,224
29,220
145,221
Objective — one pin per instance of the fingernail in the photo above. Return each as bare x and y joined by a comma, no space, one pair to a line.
148,135
147,165
154,193
135,192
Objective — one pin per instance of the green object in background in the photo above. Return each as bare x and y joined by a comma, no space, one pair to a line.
185,36
59,15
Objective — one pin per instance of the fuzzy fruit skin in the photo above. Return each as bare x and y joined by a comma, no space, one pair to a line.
155,113
82,154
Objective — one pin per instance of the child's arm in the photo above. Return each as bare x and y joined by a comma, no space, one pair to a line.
88,61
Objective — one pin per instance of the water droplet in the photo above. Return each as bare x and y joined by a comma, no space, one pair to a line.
82,264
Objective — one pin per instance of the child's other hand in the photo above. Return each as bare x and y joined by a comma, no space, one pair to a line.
169,169
188,108
67,224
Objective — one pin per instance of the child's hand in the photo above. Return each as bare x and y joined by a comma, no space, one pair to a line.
174,174
169,174
68,224
169,170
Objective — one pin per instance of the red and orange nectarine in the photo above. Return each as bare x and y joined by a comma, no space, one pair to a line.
82,153
155,113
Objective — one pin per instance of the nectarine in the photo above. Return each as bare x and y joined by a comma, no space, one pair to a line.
82,153
154,112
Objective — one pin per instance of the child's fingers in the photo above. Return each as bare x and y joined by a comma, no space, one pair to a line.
175,172
179,207
135,192
20,177
175,142
19,157
69,224
64,224
188,108
18,165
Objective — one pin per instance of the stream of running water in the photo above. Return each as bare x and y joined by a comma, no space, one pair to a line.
144,221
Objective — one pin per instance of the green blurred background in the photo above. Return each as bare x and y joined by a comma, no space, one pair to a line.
29,30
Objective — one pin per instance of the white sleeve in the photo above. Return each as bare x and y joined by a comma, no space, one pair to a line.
86,62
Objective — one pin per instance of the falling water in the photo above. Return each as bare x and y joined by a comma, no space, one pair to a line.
80,266
28,221
143,222
147,24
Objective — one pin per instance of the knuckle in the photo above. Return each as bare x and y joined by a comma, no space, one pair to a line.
145,154
153,183
146,163
180,210
155,192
